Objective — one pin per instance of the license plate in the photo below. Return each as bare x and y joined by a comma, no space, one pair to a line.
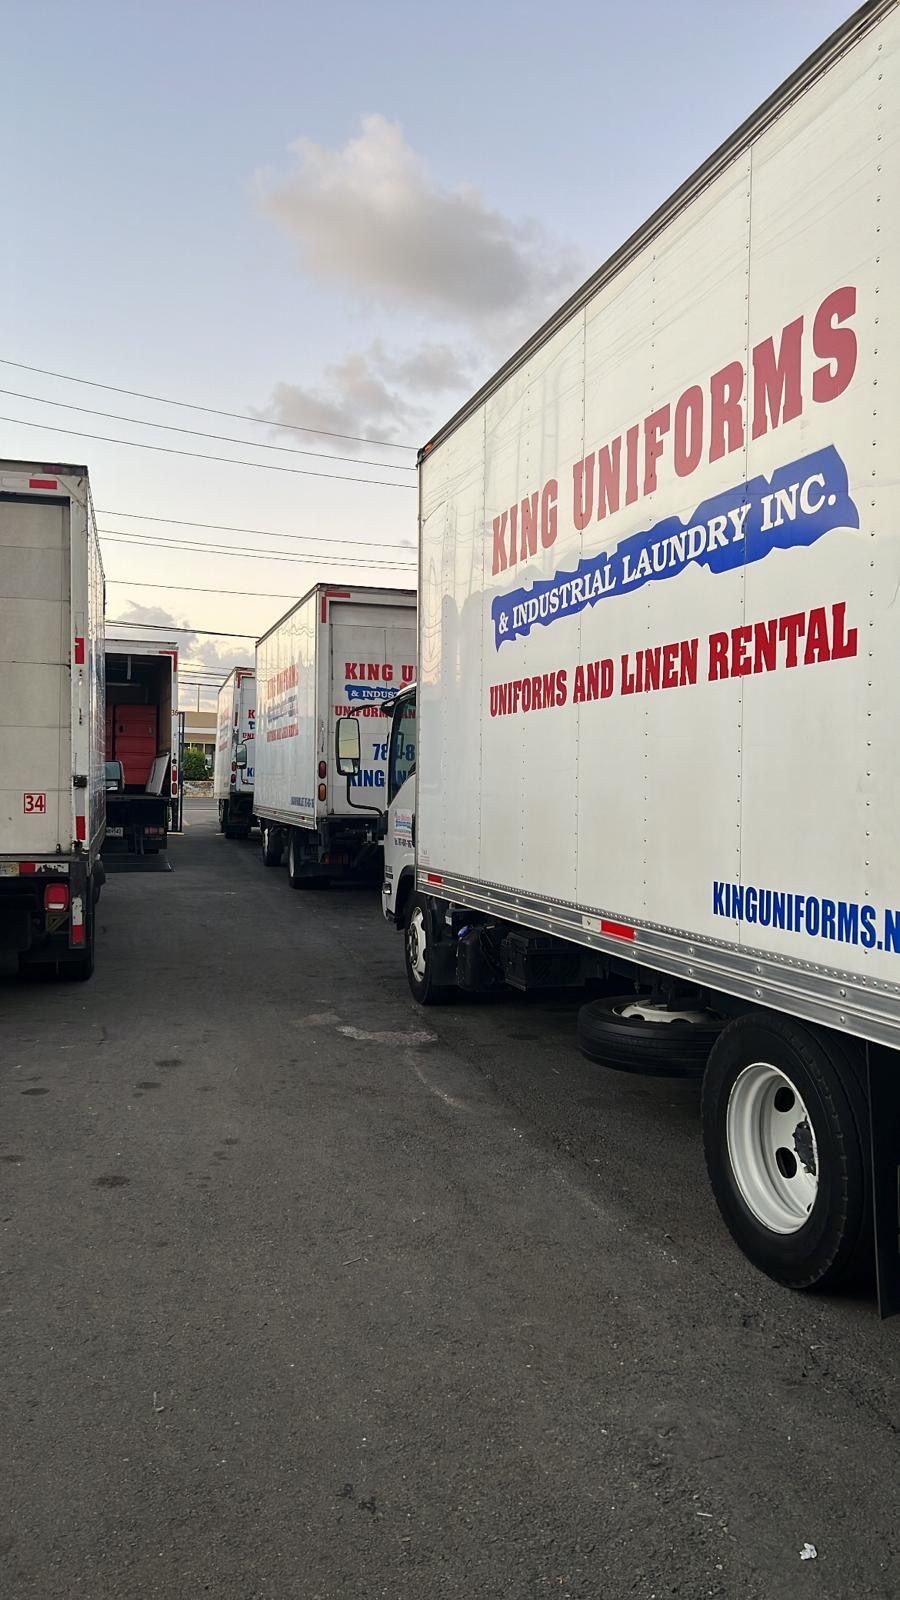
115,833
9,869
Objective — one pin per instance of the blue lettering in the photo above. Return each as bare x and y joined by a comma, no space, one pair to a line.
764,910
737,902
829,916
718,899
778,909
847,923
868,922
892,931
750,905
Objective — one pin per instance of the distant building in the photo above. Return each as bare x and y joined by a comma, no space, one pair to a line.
200,732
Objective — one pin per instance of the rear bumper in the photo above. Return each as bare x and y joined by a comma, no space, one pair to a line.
27,927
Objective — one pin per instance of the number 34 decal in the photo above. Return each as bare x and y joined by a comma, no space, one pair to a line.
32,803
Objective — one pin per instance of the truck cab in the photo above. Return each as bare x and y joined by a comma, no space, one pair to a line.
398,821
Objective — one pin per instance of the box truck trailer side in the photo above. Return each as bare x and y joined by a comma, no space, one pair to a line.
234,769
339,651
52,795
656,713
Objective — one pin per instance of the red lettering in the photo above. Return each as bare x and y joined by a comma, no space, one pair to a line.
817,646
350,671
529,538
777,389
583,491
549,513
845,641
834,345
718,656
513,527
765,645
499,562
741,665
791,629
669,669
609,460
631,464
726,419
654,427
688,430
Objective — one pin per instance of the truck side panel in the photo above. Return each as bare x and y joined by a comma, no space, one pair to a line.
372,654
658,566
246,729
286,754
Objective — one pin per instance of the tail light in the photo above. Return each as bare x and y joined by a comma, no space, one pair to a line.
322,791
56,897
323,770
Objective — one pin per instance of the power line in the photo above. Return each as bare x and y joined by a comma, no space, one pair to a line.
212,411
198,455
224,527
173,627
194,588
204,547
223,438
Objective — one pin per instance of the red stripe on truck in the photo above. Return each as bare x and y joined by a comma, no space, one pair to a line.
616,930
80,828
333,594
42,483
79,652
433,877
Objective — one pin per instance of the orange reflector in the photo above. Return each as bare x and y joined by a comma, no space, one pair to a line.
322,791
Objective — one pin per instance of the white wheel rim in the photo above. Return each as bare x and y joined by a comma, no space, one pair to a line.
415,943
772,1148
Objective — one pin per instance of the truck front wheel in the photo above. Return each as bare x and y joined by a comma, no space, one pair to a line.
419,946
785,1128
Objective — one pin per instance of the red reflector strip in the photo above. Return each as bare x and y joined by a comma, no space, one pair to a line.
79,652
616,930
76,933
42,483
27,866
433,877
80,828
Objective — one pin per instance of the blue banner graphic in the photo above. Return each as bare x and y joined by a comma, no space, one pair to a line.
795,507
370,691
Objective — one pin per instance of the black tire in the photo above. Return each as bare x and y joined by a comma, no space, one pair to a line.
418,950
835,1242
297,878
665,1049
272,848
222,828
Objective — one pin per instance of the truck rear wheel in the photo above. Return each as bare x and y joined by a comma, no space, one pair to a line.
296,862
418,943
785,1128
272,847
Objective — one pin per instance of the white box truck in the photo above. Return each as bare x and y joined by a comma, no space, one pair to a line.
659,655
52,798
339,651
234,768
142,732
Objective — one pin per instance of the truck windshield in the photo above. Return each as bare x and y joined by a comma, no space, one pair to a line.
402,759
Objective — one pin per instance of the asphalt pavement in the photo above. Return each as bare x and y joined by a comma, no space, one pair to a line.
308,1293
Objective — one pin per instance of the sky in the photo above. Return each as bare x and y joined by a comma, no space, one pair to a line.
339,217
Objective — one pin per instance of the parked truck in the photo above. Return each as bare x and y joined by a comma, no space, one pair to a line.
52,802
338,652
654,742
233,772
142,757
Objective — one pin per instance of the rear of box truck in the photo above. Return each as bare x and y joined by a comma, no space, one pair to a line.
235,745
339,651
52,797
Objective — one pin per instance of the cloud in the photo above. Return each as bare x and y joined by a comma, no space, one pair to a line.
375,394
371,216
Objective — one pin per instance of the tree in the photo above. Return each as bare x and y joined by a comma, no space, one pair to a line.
195,767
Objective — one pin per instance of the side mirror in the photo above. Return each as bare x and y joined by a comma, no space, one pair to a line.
347,746
240,756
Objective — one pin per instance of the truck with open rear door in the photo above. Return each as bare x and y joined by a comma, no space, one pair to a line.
140,744
52,799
